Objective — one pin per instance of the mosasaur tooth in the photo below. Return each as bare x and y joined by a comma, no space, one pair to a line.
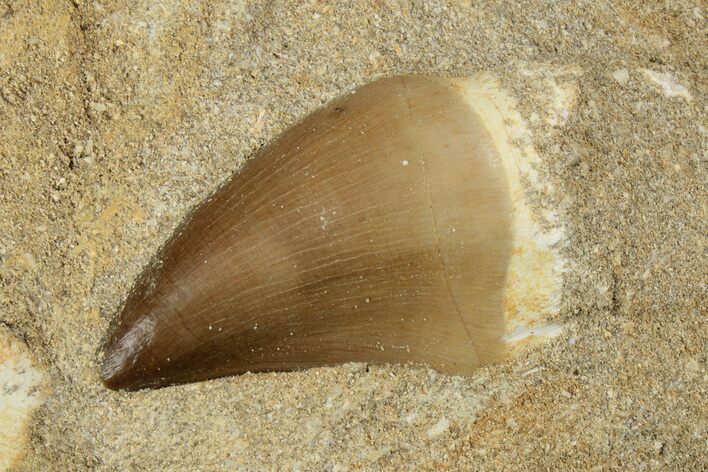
378,229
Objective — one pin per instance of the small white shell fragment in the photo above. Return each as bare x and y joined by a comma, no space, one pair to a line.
22,391
668,83
621,76
439,429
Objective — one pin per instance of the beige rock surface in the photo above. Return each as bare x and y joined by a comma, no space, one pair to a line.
117,117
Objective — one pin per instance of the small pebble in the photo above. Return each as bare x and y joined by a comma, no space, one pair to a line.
439,429
621,76
374,456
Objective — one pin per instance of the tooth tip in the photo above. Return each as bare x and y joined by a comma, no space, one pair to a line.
109,370
116,368
127,349
110,384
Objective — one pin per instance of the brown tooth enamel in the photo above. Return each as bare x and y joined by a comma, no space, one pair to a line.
378,229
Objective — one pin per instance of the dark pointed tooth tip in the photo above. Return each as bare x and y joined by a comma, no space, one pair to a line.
110,383
109,375
118,381
114,374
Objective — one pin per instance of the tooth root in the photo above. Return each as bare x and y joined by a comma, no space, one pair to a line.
377,230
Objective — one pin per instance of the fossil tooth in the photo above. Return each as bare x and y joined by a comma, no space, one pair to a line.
378,229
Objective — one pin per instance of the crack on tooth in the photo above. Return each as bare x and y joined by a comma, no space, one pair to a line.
435,223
